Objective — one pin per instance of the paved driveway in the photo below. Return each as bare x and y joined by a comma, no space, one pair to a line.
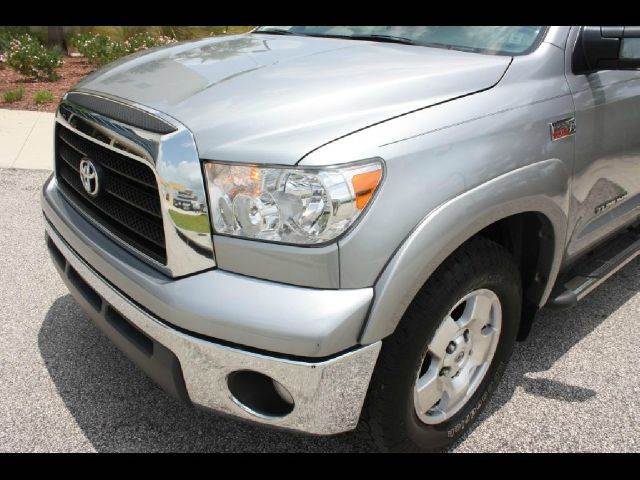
26,139
574,385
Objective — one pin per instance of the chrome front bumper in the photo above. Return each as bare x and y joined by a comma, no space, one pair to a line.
328,394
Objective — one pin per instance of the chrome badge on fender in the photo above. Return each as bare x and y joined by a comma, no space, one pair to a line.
563,128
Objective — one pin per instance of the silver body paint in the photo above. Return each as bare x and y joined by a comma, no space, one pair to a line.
465,139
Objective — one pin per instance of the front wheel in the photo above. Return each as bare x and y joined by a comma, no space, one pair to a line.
436,372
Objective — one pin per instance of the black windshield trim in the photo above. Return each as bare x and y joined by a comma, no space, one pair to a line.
536,43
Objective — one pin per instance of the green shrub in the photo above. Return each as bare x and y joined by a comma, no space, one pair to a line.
101,45
178,32
186,33
237,29
113,32
78,40
43,96
129,31
39,33
98,48
29,57
11,96
143,41
4,44
7,34
197,32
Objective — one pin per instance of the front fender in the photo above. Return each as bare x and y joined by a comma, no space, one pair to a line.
540,187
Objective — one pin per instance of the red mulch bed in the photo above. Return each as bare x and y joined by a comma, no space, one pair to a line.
71,72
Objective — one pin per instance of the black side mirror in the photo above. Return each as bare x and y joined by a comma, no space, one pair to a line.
606,48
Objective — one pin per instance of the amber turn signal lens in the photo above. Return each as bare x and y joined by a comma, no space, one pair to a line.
364,184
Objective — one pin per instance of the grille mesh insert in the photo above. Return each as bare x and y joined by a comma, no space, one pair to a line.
128,205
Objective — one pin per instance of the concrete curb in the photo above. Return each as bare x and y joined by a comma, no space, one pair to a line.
26,139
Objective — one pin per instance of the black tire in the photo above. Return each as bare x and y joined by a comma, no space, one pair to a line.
388,419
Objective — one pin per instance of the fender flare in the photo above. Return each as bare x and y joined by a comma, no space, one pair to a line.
541,187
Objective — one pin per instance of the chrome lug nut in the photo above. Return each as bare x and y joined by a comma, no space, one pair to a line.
451,347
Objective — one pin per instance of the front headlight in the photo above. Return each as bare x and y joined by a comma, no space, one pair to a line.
299,205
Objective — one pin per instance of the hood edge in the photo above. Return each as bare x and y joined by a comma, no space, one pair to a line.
407,113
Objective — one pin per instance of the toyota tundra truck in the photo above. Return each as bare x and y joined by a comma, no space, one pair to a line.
385,209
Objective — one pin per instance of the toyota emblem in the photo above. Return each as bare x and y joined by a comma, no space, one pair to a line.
89,177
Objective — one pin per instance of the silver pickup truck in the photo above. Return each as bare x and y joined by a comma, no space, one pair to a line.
384,209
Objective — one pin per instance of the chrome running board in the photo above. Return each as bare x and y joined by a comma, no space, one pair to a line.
597,268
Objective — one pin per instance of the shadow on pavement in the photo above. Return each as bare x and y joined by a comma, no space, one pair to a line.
554,333
120,409
555,390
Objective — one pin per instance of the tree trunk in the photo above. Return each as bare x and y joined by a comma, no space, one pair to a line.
55,36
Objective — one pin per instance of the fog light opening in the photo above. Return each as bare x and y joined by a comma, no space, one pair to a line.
259,394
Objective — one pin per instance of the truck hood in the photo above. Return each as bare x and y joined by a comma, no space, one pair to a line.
266,98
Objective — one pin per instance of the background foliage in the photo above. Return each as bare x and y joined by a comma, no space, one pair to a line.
26,55
120,33
41,47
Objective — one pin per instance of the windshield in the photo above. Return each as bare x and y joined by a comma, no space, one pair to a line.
490,40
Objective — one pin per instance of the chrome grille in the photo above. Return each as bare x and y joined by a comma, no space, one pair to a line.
134,151
129,203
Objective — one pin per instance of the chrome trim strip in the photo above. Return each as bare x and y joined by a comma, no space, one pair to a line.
175,162
328,395
138,144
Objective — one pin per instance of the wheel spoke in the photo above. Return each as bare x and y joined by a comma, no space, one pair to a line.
445,333
480,309
456,388
428,391
481,344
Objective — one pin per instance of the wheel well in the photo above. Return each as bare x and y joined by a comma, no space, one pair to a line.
529,238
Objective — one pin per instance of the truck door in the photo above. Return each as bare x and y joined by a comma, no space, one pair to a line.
606,178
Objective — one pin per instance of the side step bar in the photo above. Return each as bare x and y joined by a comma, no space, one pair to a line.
580,284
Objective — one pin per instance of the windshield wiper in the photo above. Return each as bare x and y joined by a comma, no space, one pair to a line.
277,31
462,48
372,37
383,38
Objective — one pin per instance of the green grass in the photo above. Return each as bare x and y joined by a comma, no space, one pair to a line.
11,96
43,96
194,223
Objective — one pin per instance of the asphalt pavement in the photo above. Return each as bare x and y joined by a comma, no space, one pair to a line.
573,385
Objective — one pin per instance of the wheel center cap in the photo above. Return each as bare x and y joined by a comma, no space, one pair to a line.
457,354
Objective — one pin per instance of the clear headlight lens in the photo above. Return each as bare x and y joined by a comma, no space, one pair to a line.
299,205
